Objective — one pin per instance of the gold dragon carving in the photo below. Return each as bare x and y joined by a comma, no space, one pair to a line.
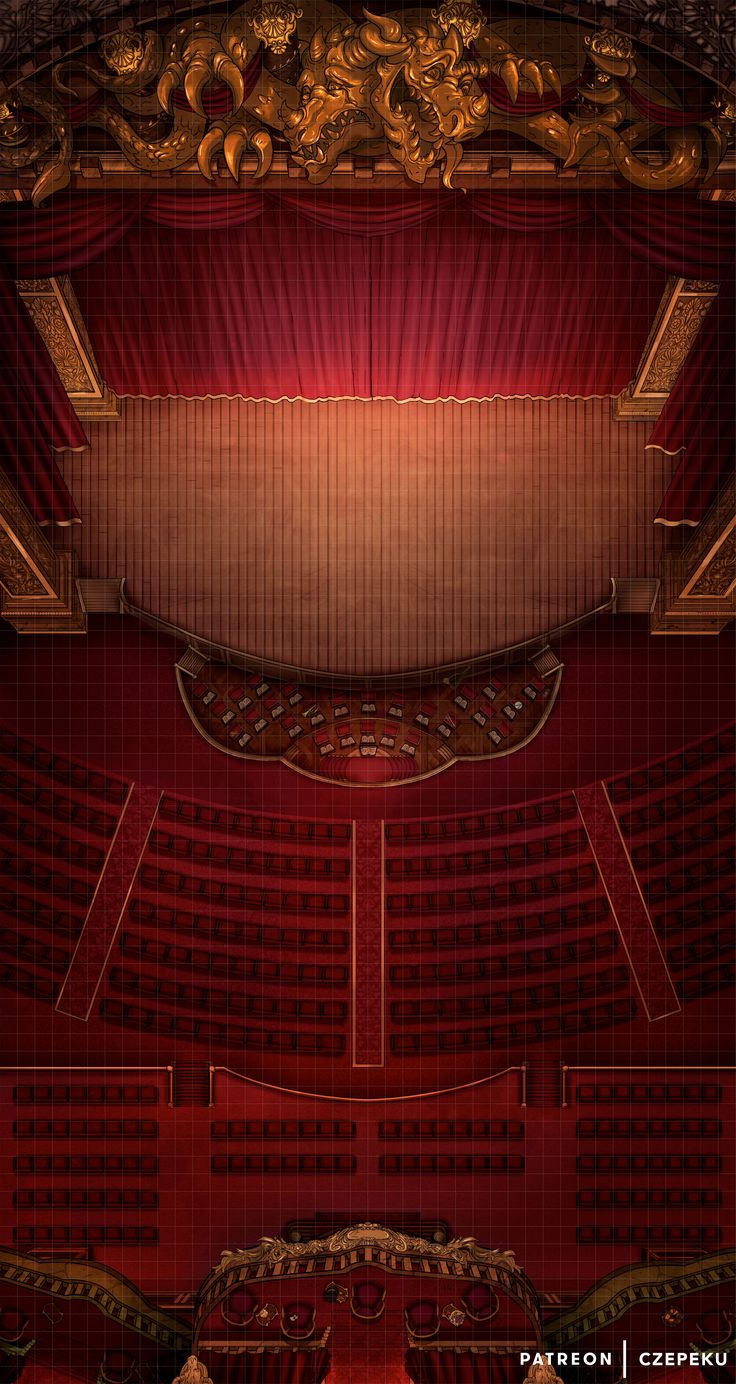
418,84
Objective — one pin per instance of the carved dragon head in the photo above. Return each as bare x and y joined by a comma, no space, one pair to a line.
335,112
427,97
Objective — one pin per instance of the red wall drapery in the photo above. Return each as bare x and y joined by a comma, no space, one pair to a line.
461,1367
270,1367
427,277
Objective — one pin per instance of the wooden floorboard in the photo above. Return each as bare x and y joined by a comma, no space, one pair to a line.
367,537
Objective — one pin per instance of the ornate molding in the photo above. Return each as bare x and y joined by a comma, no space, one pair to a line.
193,1372
53,306
106,1290
328,87
698,589
38,588
681,313
386,1249
461,1253
613,1296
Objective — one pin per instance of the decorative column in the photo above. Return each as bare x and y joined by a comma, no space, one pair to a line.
697,593
52,303
679,318
39,592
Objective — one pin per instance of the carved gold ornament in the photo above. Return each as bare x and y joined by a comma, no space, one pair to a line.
542,1373
274,23
123,52
415,85
463,1252
607,43
193,1372
453,1314
463,15
13,130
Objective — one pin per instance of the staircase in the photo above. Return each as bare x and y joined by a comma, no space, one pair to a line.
190,1084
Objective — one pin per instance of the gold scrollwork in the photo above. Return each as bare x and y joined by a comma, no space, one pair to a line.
274,23
463,1252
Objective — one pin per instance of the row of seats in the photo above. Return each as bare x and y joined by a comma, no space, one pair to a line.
282,1129
227,1001
128,1128
86,1164
58,806
674,768
692,840
514,856
414,1163
506,891
221,1035
469,935
549,994
696,914
41,840
712,946
31,911
690,1235
264,1163
572,954
118,1198
596,1163
641,1127
701,873
450,1129
706,982
230,967
510,1035
649,1197
238,930
659,1092
28,983
41,954
63,771
178,810
260,862
40,1237
484,824
43,880
238,895
86,1094
677,805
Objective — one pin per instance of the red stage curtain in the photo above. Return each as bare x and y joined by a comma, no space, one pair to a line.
433,314
449,1367
458,312
699,417
286,306
272,1367
36,416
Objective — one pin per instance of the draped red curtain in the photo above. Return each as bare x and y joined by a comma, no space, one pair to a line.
401,294
35,413
461,1367
282,307
270,1367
